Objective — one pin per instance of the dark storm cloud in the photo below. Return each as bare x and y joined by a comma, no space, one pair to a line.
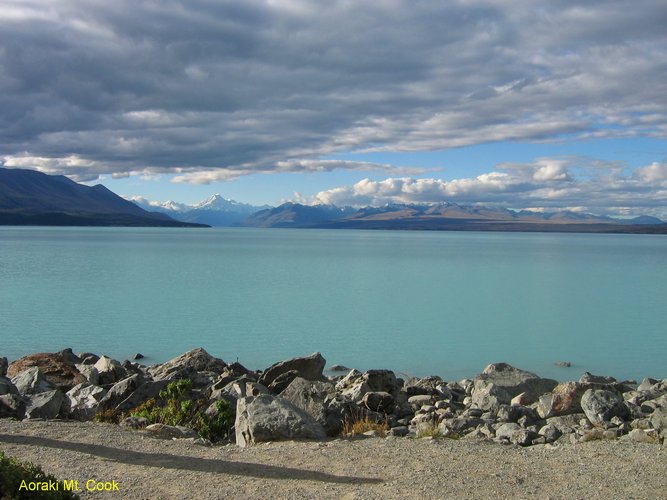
216,89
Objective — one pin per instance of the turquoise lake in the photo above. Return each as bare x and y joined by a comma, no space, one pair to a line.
420,303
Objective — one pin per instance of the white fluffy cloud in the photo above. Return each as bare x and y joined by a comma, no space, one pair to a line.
545,184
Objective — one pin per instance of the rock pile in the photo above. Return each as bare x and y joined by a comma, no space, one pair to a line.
293,399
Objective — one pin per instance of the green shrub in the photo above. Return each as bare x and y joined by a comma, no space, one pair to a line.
13,473
174,407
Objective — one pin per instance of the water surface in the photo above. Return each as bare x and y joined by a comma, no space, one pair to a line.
421,303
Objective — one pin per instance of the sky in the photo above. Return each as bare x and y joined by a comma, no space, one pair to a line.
536,104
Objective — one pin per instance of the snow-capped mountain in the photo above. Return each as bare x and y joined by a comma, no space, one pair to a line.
217,203
216,210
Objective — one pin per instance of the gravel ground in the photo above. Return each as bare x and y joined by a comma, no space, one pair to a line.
145,467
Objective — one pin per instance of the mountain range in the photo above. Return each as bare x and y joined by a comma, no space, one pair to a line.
213,211
447,216
28,197
218,211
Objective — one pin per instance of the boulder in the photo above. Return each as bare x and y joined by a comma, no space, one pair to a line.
119,392
459,425
601,406
143,392
281,382
109,371
185,365
89,372
550,433
32,381
271,418
88,358
6,386
339,368
507,430
12,406
499,383
564,399
589,378
309,367
566,424
659,421
642,436
45,404
355,384
423,386
319,400
81,401
3,367
382,402
57,368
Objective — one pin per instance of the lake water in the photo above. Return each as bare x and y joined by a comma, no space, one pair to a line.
420,303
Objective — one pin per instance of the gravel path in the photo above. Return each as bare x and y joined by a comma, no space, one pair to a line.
146,467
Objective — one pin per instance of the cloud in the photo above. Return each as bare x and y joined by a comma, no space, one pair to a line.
290,166
214,90
546,184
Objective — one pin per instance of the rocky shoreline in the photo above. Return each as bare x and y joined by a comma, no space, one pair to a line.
294,400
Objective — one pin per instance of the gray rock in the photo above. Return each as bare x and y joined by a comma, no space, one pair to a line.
508,430
170,431
143,392
601,406
500,382
550,433
134,422
119,392
589,378
44,404
319,400
308,367
109,371
647,384
399,431
185,365
82,400
382,402
563,364
423,386
281,382
566,423
458,425
524,437
659,421
6,386
138,356
355,384
3,367
89,372
339,368
12,406
32,381
642,436
88,358
420,400
271,418
507,413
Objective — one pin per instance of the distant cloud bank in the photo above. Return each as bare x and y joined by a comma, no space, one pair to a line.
547,183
